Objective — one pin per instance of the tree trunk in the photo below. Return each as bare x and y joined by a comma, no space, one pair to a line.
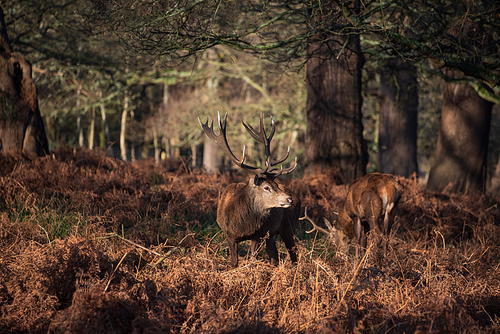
462,146
334,136
398,109
165,142
123,128
156,146
79,118
495,180
21,124
105,125
105,128
132,139
212,157
193,155
92,128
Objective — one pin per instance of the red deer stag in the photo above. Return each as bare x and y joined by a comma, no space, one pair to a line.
257,209
370,200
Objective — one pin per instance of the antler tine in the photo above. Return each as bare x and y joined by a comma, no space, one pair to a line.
262,138
260,135
315,227
274,173
273,129
221,140
291,168
306,217
277,162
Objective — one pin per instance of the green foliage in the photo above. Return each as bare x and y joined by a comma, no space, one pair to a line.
57,219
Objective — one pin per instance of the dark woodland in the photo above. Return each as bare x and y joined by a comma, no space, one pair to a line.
110,189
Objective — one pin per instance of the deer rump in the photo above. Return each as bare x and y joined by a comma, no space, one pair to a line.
243,215
369,208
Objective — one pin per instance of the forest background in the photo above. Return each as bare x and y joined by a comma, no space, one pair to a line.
141,102
93,242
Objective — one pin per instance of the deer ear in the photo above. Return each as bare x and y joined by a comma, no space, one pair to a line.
254,181
329,225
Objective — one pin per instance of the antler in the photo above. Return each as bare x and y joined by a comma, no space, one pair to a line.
221,140
316,227
260,136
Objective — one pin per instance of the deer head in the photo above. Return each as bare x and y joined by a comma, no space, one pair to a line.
337,236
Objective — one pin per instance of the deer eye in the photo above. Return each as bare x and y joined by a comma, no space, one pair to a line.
267,188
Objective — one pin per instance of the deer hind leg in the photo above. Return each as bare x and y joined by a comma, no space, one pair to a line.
387,225
373,214
254,246
271,250
359,236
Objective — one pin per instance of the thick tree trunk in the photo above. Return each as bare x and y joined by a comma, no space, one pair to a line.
334,136
398,106
495,180
21,125
462,146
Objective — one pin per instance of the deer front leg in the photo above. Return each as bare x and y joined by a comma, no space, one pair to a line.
271,250
287,237
233,252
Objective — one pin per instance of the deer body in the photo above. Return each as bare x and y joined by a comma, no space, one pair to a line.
368,208
260,208
257,209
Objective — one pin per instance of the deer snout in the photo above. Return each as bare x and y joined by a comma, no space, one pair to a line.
287,203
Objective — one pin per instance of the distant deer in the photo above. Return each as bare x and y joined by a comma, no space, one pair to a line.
259,208
370,201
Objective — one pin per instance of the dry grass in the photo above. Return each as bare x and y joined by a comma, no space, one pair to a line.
89,244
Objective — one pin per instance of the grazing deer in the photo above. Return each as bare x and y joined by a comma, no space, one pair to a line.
259,208
371,199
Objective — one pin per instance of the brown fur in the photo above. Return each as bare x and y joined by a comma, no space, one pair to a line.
370,201
369,207
258,209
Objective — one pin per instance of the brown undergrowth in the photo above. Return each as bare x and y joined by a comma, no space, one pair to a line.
90,244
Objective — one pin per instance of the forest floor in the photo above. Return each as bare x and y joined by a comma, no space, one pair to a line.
90,244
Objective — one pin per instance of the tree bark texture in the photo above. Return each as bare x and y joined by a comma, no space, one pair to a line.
212,157
334,135
92,128
105,134
123,128
495,180
462,146
398,110
21,124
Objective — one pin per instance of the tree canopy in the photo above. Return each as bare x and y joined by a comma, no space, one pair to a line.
434,34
